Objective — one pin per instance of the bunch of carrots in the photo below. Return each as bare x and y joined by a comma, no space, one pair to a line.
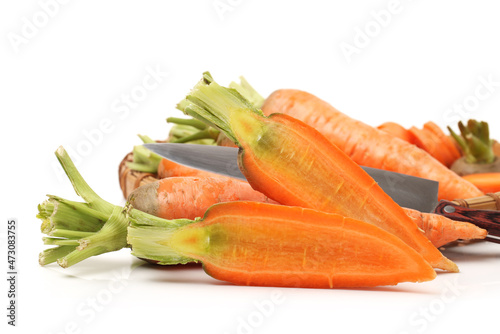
308,216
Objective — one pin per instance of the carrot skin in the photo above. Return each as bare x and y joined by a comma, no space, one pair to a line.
189,197
395,130
440,230
168,168
366,145
248,243
487,182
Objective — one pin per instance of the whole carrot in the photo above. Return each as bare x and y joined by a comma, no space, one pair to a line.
250,243
294,164
190,196
366,145
441,230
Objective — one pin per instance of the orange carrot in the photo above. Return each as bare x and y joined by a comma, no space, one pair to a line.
487,182
441,230
189,197
168,168
433,140
396,130
447,142
366,145
250,243
294,164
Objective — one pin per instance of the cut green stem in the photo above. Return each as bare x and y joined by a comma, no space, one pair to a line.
187,121
475,142
248,92
215,104
51,255
209,133
150,236
72,225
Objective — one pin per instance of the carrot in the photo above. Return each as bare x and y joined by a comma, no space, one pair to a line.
249,243
433,140
395,130
366,145
487,182
293,164
168,168
447,142
189,197
440,230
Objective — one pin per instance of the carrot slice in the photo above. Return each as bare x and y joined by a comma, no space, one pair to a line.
249,243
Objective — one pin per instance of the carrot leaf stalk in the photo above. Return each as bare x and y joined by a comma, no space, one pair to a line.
194,123
149,233
80,230
248,92
145,160
475,142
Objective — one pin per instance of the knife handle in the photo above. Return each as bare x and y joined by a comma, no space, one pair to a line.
487,219
490,201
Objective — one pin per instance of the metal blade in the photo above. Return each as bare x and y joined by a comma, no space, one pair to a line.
408,191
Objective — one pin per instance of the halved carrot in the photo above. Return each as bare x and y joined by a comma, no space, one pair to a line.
395,130
294,164
249,243
366,145
487,182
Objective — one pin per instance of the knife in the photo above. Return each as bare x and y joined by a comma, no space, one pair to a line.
408,191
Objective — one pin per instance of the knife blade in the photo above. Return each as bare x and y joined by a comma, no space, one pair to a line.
408,191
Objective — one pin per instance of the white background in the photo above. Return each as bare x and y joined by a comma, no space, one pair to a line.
64,78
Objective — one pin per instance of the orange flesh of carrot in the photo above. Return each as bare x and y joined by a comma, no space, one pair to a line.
366,145
250,243
294,164
441,230
487,182
396,130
